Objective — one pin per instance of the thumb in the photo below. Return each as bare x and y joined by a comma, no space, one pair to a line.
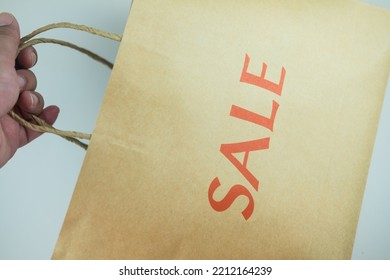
9,42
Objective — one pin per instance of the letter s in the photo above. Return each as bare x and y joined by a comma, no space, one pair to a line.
227,201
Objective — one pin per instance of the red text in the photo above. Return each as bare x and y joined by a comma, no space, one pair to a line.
228,150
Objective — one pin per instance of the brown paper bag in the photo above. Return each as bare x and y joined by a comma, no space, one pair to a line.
233,130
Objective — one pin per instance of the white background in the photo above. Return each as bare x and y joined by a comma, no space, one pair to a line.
37,184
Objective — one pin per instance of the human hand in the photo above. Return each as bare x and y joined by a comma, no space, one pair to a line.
17,90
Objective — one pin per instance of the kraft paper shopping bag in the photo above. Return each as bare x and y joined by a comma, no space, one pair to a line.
233,130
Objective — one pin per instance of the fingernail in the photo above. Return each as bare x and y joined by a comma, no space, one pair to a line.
21,82
6,19
33,58
34,100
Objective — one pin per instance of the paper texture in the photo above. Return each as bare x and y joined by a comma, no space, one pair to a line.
233,130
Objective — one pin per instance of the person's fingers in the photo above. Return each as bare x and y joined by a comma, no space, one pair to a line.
49,115
30,102
27,58
10,34
26,80
9,41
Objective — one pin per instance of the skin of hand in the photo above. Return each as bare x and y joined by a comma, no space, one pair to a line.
17,90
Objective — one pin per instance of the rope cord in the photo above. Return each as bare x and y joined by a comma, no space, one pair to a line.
39,124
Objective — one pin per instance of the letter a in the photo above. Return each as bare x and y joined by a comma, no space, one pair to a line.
244,147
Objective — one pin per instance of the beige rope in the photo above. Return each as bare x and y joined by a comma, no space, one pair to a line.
69,45
40,125
88,29
43,126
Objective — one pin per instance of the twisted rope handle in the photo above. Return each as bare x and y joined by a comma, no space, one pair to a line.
40,125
